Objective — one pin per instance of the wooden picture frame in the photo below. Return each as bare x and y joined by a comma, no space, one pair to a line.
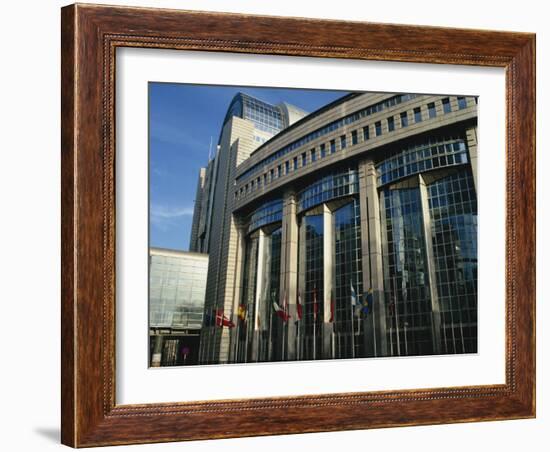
90,36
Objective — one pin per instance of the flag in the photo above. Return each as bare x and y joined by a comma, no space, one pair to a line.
280,312
332,308
241,313
208,318
222,320
367,302
315,305
299,308
353,294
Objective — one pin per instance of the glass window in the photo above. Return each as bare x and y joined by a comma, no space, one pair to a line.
427,155
431,110
354,137
287,167
295,163
371,109
343,142
417,115
366,133
453,214
304,159
342,183
279,171
391,124
446,105
312,293
332,146
404,119
378,128
406,285
461,102
313,155
271,174
322,150
347,279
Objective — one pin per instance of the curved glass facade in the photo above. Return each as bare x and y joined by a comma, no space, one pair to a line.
453,213
337,185
406,279
348,280
267,213
370,253
444,200
326,129
417,159
313,291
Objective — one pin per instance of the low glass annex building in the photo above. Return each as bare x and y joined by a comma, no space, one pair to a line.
177,284
352,232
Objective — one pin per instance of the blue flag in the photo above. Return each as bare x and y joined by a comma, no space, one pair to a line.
367,302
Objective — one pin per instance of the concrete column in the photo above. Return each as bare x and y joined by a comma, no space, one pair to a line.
371,249
430,264
301,352
157,351
471,139
289,268
328,277
237,291
260,272
454,103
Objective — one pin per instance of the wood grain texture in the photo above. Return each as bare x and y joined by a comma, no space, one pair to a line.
90,36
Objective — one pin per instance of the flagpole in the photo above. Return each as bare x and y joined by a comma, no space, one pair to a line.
391,337
373,322
333,307
396,312
314,334
353,307
352,334
314,337
236,347
297,327
405,323
246,342
270,343
283,337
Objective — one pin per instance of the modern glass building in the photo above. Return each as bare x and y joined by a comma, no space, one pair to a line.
351,232
177,284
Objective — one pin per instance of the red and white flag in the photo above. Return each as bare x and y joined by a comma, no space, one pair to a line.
280,312
299,308
222,320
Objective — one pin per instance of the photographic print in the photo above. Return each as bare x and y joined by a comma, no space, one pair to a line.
292,224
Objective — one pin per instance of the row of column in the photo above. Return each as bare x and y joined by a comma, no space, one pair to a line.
373,324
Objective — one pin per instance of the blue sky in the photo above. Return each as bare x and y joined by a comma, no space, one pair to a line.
182,120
